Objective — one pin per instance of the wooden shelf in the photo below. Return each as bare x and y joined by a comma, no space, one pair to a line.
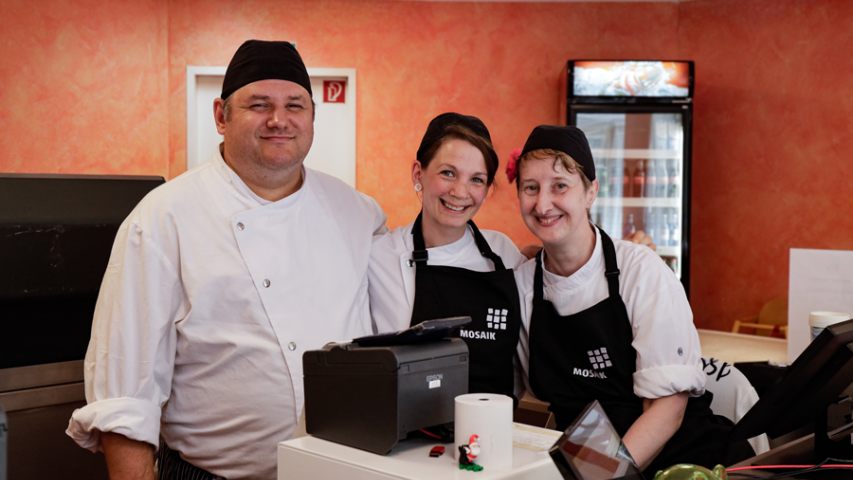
635,153
637,202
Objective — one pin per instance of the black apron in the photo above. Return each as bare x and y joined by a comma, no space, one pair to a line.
489,298
589,356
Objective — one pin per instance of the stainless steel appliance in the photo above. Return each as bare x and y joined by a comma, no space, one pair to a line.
56,234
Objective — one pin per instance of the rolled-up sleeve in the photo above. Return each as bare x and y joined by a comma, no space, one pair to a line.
129,363
667,345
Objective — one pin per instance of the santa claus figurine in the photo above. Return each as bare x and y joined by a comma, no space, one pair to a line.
468,453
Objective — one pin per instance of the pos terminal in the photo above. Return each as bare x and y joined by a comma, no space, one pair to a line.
372,392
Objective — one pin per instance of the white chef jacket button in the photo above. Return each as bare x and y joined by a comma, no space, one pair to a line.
240,226
266,283
291,346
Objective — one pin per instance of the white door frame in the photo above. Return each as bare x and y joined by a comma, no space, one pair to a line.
194,72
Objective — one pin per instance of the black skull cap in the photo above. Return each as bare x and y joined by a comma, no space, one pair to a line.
258,60
569,140
436,128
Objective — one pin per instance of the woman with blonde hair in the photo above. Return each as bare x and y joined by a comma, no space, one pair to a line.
608,320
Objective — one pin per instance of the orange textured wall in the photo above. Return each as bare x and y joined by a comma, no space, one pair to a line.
773,137
92,86
414,60
84,87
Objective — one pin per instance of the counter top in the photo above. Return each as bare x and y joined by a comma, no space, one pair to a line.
737,347
310,457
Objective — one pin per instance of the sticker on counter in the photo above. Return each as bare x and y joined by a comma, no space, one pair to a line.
532,438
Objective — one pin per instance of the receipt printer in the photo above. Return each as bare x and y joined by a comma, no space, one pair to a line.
372,397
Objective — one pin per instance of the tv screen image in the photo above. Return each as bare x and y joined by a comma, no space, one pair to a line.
667,79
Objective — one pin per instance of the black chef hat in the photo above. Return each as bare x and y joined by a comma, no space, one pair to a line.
569,140
435,130
257,60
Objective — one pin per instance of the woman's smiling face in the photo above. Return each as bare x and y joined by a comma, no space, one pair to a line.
554,202
454,185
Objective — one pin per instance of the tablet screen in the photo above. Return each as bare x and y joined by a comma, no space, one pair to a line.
590,449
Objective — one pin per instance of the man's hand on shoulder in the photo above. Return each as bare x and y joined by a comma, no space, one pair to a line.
531,250
639,237
127,459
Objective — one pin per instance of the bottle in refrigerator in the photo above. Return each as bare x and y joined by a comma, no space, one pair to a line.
674,186
639,180
649,224
628,228
660,132
672,263
662,179
626,182
674,231
603,180
661,229
615,179
651,179
675,135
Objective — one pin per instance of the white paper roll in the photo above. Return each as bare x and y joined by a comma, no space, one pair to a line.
488,416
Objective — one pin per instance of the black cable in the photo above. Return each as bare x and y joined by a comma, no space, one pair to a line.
801,471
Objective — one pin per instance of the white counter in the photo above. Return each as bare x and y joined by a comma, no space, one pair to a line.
737,347
309,457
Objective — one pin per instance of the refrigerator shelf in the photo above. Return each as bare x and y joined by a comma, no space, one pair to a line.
638,202
668,251
642,167
635,153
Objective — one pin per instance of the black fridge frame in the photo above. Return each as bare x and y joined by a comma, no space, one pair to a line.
685,108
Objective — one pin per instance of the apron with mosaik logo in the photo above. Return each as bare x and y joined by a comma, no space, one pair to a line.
589,356
489,298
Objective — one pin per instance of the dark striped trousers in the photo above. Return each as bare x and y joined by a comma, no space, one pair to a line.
173,467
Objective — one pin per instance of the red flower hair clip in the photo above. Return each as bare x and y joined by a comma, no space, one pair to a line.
511,164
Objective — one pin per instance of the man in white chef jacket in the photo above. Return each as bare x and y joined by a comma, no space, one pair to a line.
218,281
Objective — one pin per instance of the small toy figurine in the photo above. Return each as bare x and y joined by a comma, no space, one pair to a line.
468,453
685,471
436,451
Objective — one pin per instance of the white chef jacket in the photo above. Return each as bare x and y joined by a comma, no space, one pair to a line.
210,298
734,395
392,280
667,344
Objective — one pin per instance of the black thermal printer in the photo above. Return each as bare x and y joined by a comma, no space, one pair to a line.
372,397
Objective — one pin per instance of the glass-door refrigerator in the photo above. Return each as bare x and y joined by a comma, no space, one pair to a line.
637,116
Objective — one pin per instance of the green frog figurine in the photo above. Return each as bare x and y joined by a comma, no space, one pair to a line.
685,471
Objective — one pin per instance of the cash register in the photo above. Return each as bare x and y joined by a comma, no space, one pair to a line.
372,392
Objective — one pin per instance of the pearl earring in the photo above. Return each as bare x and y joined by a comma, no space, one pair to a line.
418,187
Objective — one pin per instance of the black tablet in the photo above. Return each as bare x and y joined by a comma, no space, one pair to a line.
591,449
422,332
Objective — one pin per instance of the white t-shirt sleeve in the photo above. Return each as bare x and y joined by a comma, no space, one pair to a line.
129,363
